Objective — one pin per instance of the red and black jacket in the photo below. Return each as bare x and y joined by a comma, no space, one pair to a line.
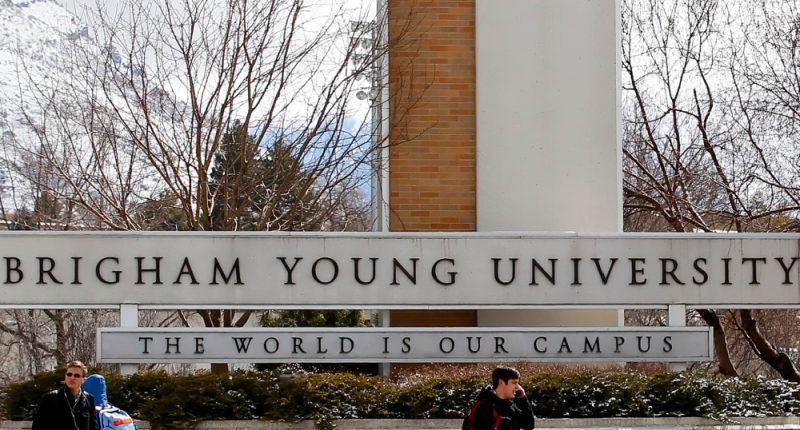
490,412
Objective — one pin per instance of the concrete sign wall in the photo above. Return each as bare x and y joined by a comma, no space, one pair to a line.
262,270
177,345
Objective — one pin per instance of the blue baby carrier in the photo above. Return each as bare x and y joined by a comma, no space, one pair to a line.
108,417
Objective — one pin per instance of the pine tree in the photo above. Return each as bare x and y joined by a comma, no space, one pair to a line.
249,180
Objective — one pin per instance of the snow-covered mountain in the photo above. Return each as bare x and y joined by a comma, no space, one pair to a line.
35,36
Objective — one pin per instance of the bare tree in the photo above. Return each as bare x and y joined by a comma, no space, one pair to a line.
130,134
34,339
708,141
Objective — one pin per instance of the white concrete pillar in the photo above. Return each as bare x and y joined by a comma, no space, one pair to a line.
676,317
128,317
548,146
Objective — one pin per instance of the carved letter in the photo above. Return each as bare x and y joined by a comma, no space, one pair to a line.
176,344
234,270
576,273
604,276
289,270
754,261
356,271
499,345
618,341
591,347
46,271
145,339
449,349
76,264
350,344
274,342
186,269
469,344
452,275
156,270
297,345
667,344
643,349
411,276
334,275
700,270
406,345
636,270
13,268
496,263
551,276
564,345
727,266
115,272
786,280
536,345
669,271
242,343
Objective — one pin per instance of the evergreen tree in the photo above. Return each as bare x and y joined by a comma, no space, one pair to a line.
318,318
250,183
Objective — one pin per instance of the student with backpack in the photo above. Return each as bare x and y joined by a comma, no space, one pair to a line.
501,406
69,407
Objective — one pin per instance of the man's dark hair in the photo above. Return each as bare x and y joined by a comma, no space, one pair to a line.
503,373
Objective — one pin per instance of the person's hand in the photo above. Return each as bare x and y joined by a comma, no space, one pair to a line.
520,392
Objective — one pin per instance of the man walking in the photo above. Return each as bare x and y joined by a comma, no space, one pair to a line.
69,407
501,406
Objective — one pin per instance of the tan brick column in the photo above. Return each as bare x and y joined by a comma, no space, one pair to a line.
432,99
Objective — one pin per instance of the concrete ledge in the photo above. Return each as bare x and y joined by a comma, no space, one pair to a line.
690,423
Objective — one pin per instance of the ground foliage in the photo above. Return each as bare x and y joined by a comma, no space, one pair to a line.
180,401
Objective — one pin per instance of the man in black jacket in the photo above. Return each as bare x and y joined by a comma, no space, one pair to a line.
502,406
69,407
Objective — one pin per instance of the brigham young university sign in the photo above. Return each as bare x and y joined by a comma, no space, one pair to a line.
398,271
133,271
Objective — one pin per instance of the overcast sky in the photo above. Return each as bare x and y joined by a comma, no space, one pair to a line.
76,6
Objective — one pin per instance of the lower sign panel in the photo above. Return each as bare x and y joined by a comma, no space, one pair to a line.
466,344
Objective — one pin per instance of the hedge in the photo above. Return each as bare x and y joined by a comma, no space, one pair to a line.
178,402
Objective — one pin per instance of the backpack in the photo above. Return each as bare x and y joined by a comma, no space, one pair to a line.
108,417
469,420
114,418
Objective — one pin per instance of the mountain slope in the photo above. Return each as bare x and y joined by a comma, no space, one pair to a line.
34,38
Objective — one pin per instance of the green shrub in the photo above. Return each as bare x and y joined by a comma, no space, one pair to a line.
437,398
134,392
761,397
680,395
21,399
553,395
176,402
583,395
182,401
324,397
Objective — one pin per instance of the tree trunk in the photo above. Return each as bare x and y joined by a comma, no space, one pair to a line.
61,350
726,367
214,318
764,349
219,368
